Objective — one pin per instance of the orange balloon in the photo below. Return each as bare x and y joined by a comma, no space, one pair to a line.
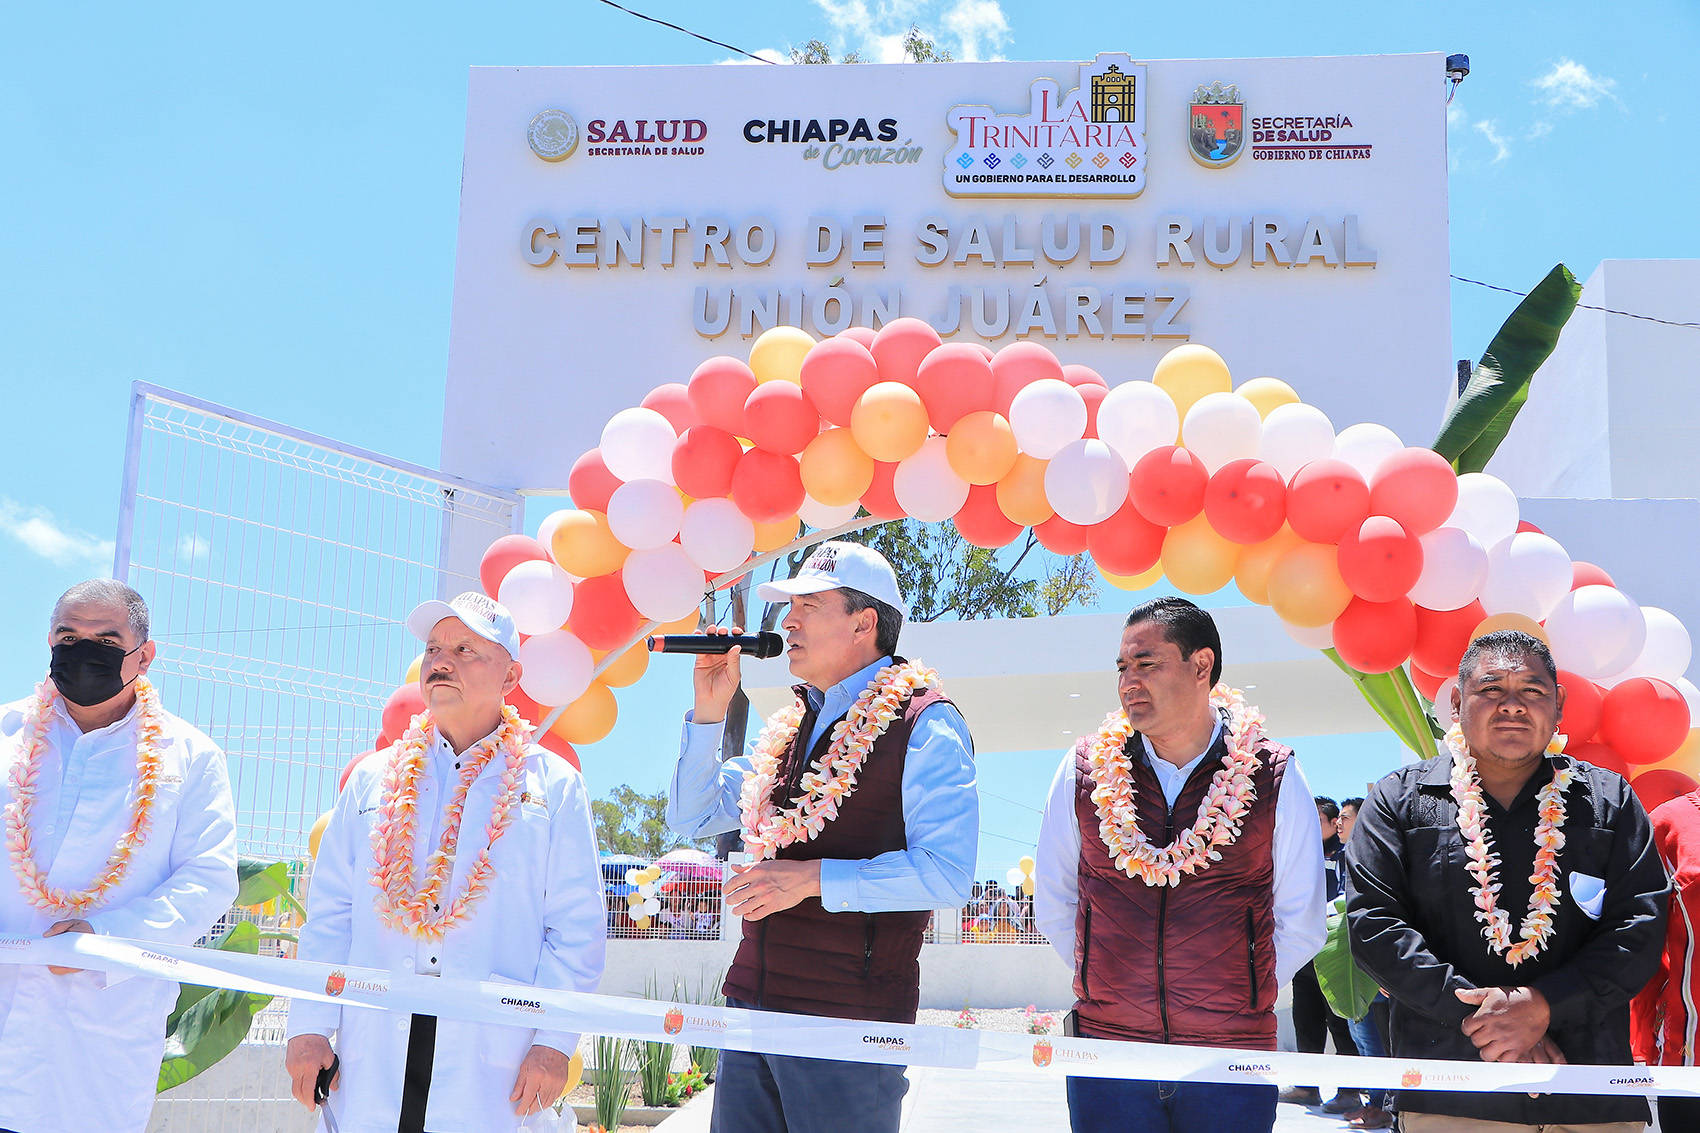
981,448
835,471
1134,581
772,536
1251,573
1305,586
889,422
1021,491
686,624
589,718
627,668
1686,758
1520,622
1196,559
584,545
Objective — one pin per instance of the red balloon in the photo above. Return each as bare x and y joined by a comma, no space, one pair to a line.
672,401
779,417
1442,637
954,381
342,780
603,617
1524,525
1020,364
1080,377
403,705
863,335
381,742
529,710
767,486
1660,785
1376,637
1246,501
1326,499
590,483
718,389
1583,704
1380,560
1645,719
881,497
1093,396
899,347
835,373
1417,487
1168,486
560,747
1599,755
1427,683
703,460
1584,573
1126,543
1060,537
982,522
505,554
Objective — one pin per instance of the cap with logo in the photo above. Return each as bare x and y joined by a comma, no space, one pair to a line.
480,613
840,566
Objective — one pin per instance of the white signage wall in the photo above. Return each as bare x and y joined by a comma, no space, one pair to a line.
621,224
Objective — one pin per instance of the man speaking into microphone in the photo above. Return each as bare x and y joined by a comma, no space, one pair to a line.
859,807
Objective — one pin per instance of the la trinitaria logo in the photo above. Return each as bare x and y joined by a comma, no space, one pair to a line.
1089,142
1216,125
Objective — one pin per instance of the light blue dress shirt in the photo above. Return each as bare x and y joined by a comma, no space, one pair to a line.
941,807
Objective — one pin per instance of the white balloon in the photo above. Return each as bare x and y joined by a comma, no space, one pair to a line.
1047,415
645,513
631,877
637,444
716,535
662,582
1317,637
1365,446
926,486
1221,428
651,907
1527,574
1443,702
1015,877
646,889
1691,694
1294,435
1086,482
546,529
1668,649
538,594
821,517
1455,566
1596,631
1136,417
1487,508
555,667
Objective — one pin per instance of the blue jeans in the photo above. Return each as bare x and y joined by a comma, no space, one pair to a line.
1114,1105
1366,1033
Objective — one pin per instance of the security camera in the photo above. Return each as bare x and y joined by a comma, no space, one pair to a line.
1457,67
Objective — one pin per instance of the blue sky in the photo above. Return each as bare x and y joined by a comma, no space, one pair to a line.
258,206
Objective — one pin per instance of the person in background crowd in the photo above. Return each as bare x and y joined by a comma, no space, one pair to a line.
1178,946
1313,1020
1369,1034
972,908
81,1049
1348,818
706,921
1469,986
1664,1018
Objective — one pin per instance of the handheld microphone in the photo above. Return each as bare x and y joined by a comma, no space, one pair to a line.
765,644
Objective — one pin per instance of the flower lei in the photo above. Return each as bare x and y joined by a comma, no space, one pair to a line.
1226,803
832,777
417,911
1549,840
32,879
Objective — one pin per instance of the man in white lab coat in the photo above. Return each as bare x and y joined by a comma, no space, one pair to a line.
524,906
91,756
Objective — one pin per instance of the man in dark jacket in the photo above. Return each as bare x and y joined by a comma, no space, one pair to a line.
1462,989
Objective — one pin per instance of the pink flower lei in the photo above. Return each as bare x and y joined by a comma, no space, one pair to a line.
1226,802
1484,863
830,778
32,880
419,912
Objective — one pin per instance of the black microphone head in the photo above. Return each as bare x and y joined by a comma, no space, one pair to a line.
768,644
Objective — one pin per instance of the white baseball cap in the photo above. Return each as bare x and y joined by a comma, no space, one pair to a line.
840,566
480,613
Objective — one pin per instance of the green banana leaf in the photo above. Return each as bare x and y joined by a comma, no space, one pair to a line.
209,1023
261,881
1398,704
1347,987
1497,390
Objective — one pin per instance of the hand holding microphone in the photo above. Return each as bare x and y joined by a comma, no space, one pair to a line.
717,674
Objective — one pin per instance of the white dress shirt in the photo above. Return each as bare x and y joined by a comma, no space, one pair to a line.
541,923
1300,898
83,1051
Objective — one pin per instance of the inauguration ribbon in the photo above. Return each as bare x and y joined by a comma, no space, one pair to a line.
812,1036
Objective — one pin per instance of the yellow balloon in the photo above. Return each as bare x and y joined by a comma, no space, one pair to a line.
835,471
889,422
642,922
1134,581
1519,622
1026,864
1251,573
1027,886
627,669
1305,586
1021,492
778,355
584,545
589,718
981,447
575,1072
1267,394
772,536
1196,559
634,899
317,834
546,529
1685,759
413,668
1188,372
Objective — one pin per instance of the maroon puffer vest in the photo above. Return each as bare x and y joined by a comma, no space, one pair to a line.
845,965
1193,963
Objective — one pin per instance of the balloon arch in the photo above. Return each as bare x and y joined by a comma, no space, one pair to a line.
1358,542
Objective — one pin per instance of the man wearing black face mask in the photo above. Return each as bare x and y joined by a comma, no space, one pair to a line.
81,1049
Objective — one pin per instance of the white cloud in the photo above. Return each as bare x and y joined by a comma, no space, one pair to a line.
1488,129
1570,86
969,29
977,24
38,531
194,550
1540,129
769,54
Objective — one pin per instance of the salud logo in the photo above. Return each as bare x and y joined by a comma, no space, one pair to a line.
1217,130
1042,1052
673,1022
335,982
553,135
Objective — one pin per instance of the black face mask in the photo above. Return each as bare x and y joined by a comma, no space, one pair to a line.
88,672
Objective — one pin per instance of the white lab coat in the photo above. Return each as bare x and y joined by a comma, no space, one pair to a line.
83,1051
540,923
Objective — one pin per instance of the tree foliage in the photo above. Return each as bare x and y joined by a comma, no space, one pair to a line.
628,822
918,47
946,576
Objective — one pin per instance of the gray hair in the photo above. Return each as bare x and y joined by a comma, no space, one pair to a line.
890,621
107,592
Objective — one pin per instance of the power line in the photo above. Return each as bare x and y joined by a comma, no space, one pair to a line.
688,32
1011,802
1583,306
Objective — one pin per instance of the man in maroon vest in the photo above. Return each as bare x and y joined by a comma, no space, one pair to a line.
1171,944
833,910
